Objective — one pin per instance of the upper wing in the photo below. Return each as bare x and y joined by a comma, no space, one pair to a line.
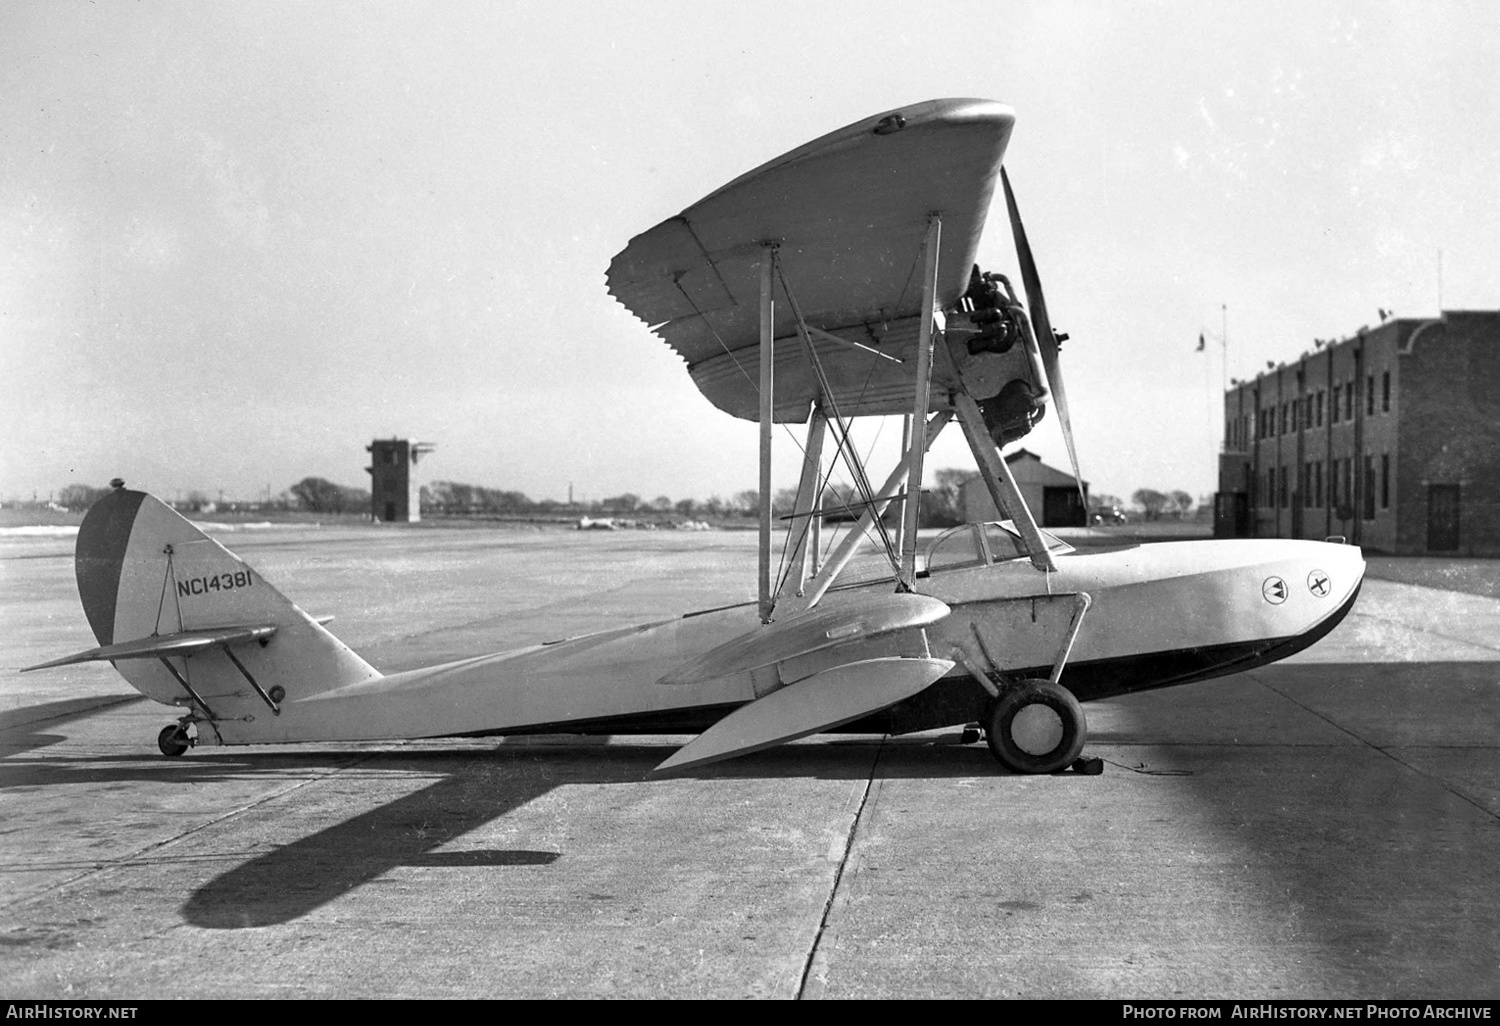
848,213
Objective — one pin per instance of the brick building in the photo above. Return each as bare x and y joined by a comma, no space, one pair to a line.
1390,438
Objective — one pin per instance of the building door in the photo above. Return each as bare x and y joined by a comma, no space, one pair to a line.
1231,515
1442,518
1062,508
390,512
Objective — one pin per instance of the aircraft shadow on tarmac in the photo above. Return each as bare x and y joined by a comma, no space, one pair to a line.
297,878
52,714
1410,836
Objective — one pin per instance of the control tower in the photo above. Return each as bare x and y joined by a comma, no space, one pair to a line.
394,492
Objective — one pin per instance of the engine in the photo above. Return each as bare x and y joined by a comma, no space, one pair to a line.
1005,381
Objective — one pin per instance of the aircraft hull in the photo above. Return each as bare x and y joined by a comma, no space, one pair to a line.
1156,615
1209,598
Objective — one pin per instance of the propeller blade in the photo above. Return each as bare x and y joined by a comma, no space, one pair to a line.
823,701
1046,339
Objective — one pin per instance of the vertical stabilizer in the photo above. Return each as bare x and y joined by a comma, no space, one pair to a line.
144,571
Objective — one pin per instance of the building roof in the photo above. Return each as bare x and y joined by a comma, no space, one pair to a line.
1028,468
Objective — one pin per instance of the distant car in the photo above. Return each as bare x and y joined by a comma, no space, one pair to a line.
1108,517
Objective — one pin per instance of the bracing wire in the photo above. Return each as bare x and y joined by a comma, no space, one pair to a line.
841,434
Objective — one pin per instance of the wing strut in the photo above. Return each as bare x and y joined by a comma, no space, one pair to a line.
804,533
845,445
767,379
826,574
912,508
999,481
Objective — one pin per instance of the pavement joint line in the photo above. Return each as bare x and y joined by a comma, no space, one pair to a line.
1388,752
1428,587
1428,630
128,861
838,876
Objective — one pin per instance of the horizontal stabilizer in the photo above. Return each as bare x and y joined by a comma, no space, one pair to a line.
810,631
823,701
182,643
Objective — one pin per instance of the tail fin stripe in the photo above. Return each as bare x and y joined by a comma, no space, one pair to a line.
103,538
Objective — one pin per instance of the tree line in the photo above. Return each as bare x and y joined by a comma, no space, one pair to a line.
1155,504
941,503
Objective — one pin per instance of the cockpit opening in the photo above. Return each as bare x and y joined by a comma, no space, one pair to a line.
982,545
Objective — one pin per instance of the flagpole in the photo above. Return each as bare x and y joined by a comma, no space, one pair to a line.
1224,341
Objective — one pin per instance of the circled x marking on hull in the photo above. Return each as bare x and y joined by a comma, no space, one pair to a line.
1318,584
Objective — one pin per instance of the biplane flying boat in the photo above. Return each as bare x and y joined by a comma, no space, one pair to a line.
834,283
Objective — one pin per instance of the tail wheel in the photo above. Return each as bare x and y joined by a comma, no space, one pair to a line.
173,740
1036,727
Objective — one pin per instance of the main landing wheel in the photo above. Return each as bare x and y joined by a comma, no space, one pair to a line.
1036,727
173,740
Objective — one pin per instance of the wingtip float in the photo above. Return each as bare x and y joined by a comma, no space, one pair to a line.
844,271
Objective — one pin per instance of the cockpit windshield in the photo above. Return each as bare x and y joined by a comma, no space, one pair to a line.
968,545
983,544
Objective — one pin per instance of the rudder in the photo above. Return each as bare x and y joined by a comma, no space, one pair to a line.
144,571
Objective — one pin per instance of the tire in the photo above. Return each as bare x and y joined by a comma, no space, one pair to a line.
173,740
1036,727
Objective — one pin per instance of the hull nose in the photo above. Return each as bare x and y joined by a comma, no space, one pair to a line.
1334,573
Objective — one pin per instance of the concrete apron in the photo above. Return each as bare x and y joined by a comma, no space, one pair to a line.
1324,827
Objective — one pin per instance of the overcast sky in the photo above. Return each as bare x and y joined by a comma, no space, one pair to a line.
238,241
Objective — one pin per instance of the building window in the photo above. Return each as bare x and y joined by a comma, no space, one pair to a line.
1348,482
1369,394
1318,482
1385,480
1385,392
1281,491
1320,407
1349,399
1333,405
